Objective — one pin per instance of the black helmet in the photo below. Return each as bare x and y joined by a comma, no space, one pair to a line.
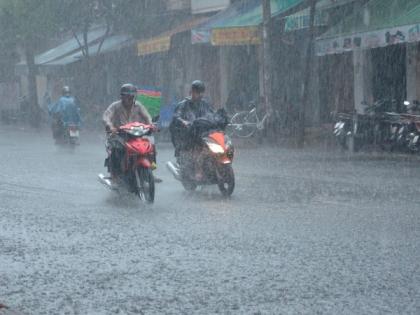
128,89
66,90
198,86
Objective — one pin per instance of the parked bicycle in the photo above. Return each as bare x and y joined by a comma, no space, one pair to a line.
245,124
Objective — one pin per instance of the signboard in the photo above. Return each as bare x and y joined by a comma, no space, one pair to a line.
236,36
200,36
154,45
151,98
301,19
368,40
204,6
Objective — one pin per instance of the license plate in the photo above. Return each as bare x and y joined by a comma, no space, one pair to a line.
74,133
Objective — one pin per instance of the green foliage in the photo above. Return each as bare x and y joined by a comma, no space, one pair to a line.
25,20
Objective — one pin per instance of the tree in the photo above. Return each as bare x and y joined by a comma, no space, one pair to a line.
79,17
26,24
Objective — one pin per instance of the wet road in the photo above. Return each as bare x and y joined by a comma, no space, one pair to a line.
306,232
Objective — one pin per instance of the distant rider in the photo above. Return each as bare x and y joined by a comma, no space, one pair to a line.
63,113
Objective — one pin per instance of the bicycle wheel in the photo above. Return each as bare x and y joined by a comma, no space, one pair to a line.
244,124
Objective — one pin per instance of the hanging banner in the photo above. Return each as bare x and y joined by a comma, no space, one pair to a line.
236,36
369,40
154,45
151,98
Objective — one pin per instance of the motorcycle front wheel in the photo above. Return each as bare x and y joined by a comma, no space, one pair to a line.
226,182
145,184
189,186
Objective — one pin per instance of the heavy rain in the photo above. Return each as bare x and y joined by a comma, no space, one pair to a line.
209,157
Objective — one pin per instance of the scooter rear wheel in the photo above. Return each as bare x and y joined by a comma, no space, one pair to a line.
226,182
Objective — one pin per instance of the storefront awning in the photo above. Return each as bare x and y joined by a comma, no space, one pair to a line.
70,51
239,24
300,20
67,48
379,23
202,33
111,43
244,28
162,42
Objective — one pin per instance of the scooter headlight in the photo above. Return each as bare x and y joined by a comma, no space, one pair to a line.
215,148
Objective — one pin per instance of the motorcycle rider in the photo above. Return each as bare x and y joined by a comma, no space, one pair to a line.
183,139
119,113
186,112
64,112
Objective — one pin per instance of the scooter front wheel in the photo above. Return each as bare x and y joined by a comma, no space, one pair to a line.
145,185
189,186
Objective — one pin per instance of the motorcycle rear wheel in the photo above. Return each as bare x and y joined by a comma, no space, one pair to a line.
226,181
145,185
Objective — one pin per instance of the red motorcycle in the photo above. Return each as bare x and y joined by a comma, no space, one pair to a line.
136,160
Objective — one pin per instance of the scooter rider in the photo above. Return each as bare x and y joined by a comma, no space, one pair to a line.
119,113
126,110
64,112
186,112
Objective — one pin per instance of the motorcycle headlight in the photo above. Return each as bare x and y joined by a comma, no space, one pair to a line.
215,148
137,131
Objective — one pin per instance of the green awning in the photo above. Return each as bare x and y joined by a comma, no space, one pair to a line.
253,17
376,24
300,20
243,28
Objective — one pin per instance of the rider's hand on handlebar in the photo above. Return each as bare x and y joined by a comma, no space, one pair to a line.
154,127
113,130
186,123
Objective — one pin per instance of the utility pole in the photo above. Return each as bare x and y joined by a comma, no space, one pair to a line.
307,75
267,64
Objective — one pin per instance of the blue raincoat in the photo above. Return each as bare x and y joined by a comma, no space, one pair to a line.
67,109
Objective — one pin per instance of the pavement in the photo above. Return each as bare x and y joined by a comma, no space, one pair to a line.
313,231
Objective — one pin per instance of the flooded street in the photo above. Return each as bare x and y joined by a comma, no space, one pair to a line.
306,231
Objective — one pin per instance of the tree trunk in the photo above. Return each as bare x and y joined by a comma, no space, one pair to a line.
307,77
34,109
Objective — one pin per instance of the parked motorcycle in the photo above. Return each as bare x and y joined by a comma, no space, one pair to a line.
354,131
410,131
342,128
137,160
208,161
